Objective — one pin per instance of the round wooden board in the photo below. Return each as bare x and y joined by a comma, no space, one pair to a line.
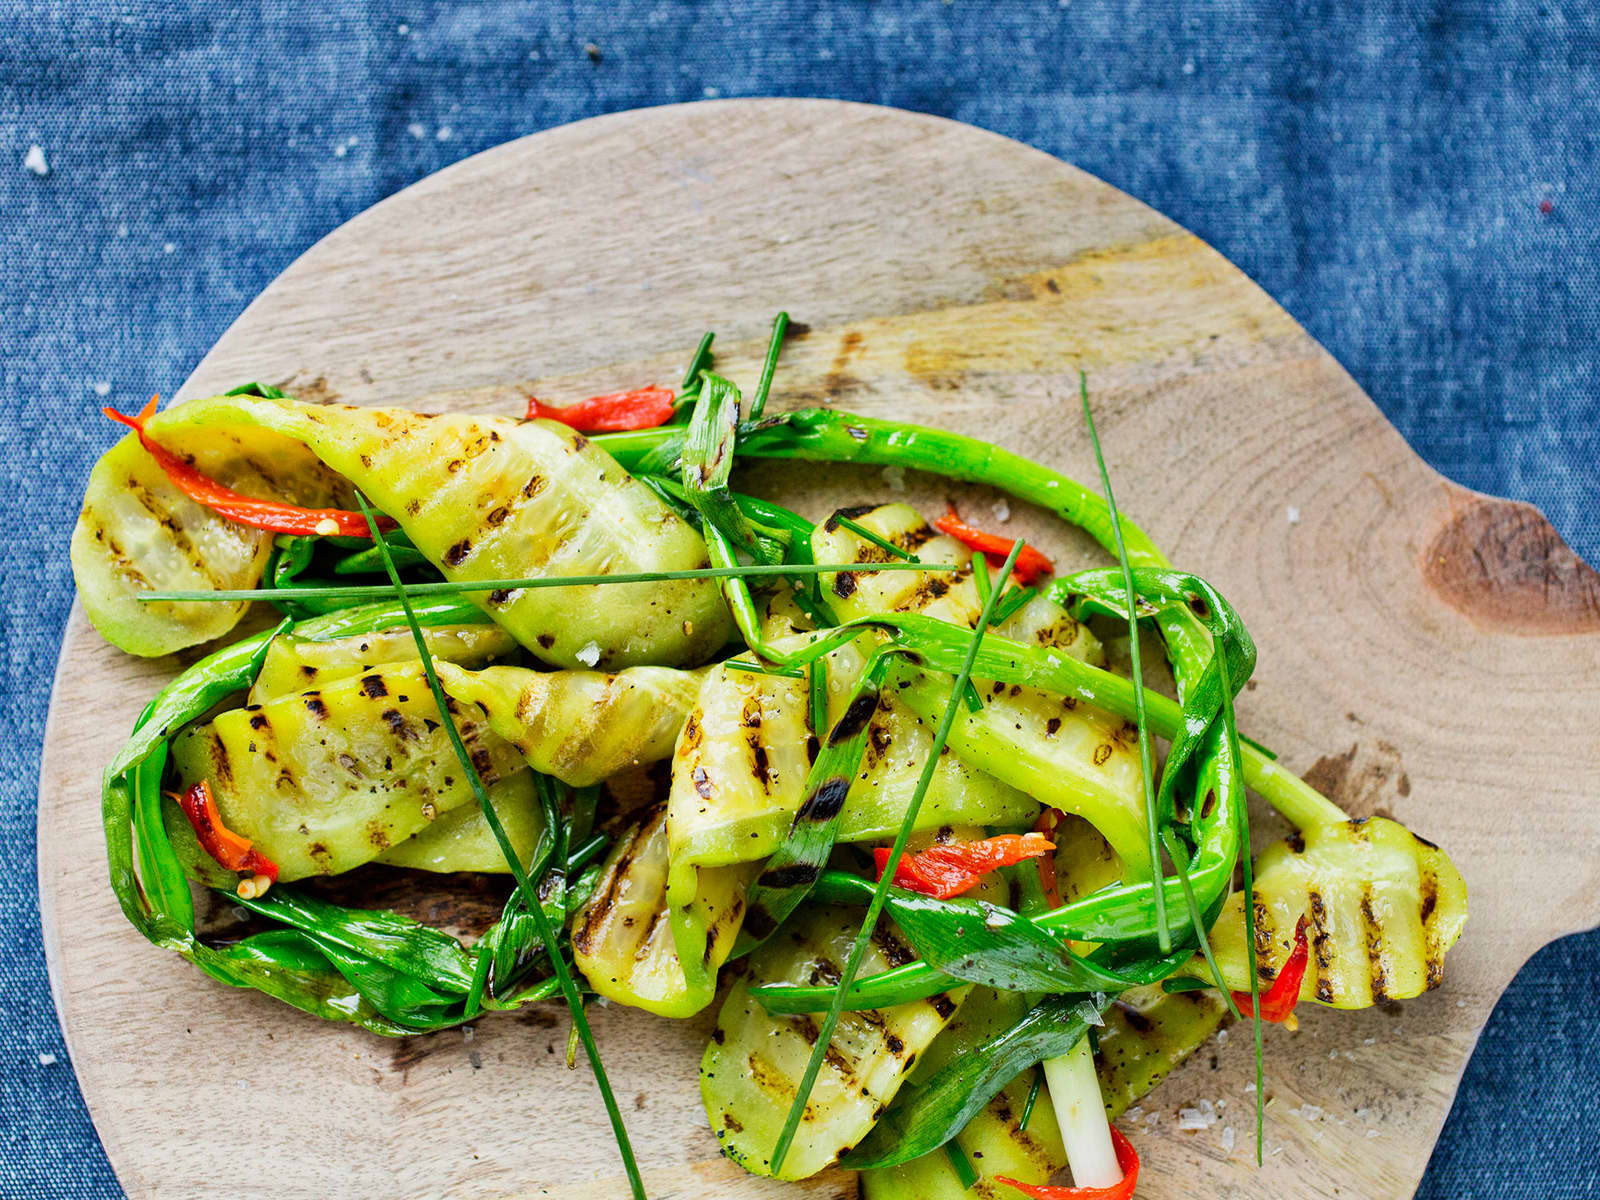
1412,634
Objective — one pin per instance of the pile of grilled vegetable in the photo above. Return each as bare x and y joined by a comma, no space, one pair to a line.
889,788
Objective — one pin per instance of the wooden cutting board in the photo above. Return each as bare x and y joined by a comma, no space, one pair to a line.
1414,635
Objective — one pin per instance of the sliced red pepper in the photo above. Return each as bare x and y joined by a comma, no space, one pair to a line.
232,851
1278,1001
1049,882
614,412
1127,1159
272,515
1030,564
947,870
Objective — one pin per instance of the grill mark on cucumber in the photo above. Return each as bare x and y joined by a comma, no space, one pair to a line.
1373,931
1322,948
164,517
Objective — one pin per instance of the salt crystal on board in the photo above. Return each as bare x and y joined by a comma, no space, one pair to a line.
417,130
1227,1139
1293,514
589,655
1002,510
34,160
46,1059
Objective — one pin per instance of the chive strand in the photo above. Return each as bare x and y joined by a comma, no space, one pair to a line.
530,894
1033,1098
1230,732
878,540
700,360
734,664
780,326
880,892
1180,859
1146,763
457,587
961,1164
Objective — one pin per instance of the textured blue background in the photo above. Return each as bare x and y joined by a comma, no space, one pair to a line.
1417,183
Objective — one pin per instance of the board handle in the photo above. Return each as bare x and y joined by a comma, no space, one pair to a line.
1533,605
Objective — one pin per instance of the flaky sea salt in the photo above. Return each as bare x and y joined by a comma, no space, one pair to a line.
1202,1116
1310,1112
895,477
1293,514
46,1059
34,160
101,387
1222,1037
1002,510
417,130
445,134
589,655
1227,1139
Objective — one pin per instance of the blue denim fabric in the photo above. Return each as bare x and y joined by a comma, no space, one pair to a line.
1417,183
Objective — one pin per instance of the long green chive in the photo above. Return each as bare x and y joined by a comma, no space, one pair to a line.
1033,1097
530,894
1013,600
960,1164
1180,859
457,587
734,664
698,363
780,326
1163,933
883,543
881,891
1230,732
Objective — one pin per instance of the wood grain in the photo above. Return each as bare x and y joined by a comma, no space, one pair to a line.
1413,635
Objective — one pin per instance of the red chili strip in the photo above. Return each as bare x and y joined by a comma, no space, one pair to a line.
1127,1159
275,516
1278,1001
614,412
1030,564
947,870
232,851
